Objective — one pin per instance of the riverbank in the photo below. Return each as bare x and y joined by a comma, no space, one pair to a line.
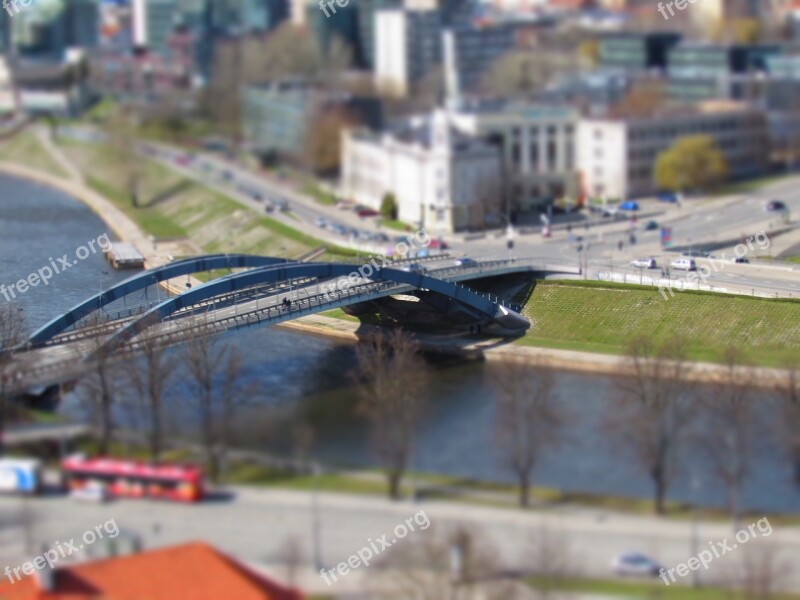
578,327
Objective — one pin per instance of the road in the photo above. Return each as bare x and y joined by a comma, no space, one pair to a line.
254,525
697,223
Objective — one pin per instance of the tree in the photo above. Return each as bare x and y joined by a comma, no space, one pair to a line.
389,206
214,377
730,440
643,100
522,73
788,392
528,418
393,378
425,568
692,163
122,128
151,379
324,141
652,412
12,334
101,388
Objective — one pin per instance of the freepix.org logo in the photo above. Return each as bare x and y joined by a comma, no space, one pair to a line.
14,7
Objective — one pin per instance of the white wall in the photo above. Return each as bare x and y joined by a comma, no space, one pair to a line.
391,61
603,161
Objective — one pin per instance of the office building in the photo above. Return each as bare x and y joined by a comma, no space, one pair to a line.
617,156
441,179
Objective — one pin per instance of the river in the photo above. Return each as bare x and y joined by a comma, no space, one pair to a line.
309,375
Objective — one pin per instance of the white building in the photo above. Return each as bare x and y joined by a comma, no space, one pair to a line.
617,156
441,179
537,145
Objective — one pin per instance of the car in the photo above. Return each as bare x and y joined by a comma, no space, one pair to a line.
740,260
695,254
91,492
645,263
465,261
367,212
630,205
413,268
669,197
636,563
438,245
684,264
651,226
321,222
775,206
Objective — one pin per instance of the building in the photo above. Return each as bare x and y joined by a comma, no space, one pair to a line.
537,146
83,23
617,156
8,95
632,51
693,58
410,44
194,570
441,179
154,23
279,117
50,87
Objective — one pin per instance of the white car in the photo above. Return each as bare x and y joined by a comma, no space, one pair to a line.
91,492
684,264
645,263
637,564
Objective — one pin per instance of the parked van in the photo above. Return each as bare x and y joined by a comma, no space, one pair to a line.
684,264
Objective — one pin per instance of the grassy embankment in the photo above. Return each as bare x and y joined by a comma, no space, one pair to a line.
601,317
175,207
638,590
26,150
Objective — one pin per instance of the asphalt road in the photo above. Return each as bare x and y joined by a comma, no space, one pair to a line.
255,524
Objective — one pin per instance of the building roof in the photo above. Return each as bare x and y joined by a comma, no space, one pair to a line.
194,571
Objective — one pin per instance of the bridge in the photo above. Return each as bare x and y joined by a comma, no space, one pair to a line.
260,291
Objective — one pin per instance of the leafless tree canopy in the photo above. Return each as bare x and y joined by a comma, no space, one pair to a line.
215,381
733,428
424,567
393,379
151,379
529,420
12,334
653,410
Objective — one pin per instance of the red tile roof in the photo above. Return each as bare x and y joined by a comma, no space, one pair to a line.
194,571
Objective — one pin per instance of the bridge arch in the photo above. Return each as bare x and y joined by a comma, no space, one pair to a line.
146,279
277,273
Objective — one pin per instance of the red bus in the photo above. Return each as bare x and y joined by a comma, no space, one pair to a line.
135,479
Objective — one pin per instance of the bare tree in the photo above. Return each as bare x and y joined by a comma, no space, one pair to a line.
528,418
461,564
552,563
730,440
150,379
292,555
122,129
214,375
12,334
393,379
788,392
652,412
101,388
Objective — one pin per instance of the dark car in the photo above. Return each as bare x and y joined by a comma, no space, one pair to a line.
367,212
651,226
775,206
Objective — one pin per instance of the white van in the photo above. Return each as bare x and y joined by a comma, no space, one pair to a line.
684,264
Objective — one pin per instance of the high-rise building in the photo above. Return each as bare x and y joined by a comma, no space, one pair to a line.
83,23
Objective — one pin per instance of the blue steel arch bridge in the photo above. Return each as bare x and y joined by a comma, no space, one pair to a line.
258,291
